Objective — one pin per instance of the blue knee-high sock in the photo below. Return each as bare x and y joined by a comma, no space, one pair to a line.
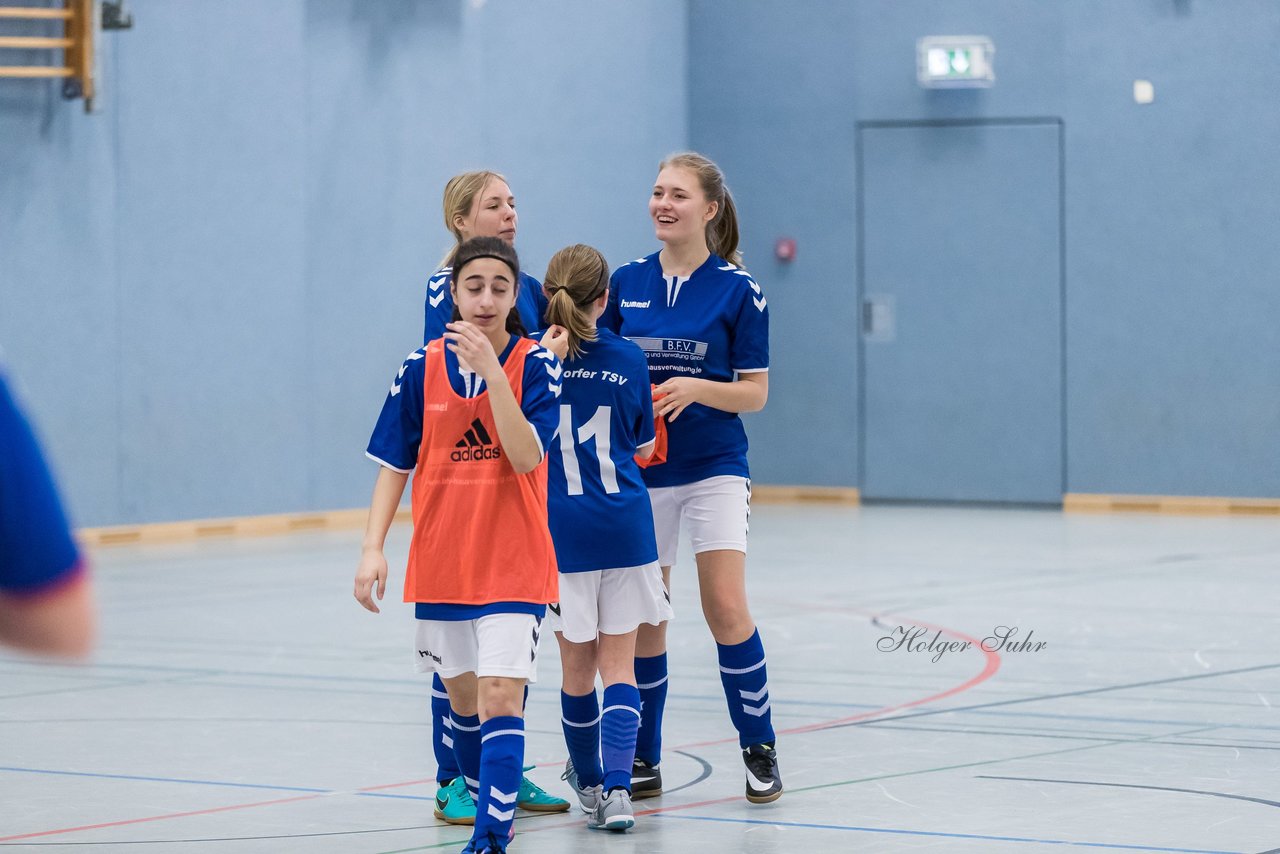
580,719
501,758
466,749
618,725
746,689
442,733
651,679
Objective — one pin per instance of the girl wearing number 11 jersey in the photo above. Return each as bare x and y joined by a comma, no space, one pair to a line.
602,527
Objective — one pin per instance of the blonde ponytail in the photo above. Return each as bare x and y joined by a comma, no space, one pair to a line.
576,277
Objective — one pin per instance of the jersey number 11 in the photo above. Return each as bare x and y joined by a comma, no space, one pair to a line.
597,427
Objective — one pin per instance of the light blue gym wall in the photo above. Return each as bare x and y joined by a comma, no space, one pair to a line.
1172,263
206,287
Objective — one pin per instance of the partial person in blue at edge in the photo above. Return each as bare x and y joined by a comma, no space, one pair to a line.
704,326
46,602
476,204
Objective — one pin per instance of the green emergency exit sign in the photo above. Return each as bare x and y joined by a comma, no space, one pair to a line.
952,62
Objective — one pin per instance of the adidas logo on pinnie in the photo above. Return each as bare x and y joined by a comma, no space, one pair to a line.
476,444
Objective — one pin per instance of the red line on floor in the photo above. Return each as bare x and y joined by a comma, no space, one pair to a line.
396,785
158,818
991,664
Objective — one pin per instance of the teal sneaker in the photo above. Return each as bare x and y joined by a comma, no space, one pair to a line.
534,799
454,804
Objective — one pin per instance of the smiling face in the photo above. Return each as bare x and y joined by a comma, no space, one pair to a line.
493,213
679,208
484,291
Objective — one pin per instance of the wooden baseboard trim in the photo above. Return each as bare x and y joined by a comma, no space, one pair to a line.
339,520
236,526
1185,505
766,494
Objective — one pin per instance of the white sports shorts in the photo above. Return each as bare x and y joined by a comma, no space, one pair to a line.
496,645
714,511
609,601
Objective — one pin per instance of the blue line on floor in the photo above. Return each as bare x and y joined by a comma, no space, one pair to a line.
1206,792
1117,720
160,779
1117,846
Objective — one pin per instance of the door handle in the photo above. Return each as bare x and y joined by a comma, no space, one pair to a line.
878,322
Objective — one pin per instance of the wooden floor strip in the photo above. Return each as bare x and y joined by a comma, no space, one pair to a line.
286,523
237,526
1185,505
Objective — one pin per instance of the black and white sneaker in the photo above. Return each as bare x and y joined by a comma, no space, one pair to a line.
764,783
646,780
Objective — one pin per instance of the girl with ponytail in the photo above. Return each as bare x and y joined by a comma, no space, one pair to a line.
704,326
602,528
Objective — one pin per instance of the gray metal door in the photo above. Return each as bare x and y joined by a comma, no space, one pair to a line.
961,289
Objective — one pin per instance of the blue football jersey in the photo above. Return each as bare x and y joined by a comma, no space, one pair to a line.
530,302
597,503
398,431
37,550
711,325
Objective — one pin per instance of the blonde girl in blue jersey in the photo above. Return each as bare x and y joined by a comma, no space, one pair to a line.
476,204
602,528
703,323
479,204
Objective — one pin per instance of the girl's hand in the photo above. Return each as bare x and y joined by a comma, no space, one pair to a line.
556,339
372,570
676,393
473,349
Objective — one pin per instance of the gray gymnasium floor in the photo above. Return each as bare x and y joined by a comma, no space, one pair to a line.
242,702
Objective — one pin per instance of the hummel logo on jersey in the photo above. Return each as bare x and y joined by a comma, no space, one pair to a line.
758,299
435,286
475,444
635,303
553,368
414,356
537,632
